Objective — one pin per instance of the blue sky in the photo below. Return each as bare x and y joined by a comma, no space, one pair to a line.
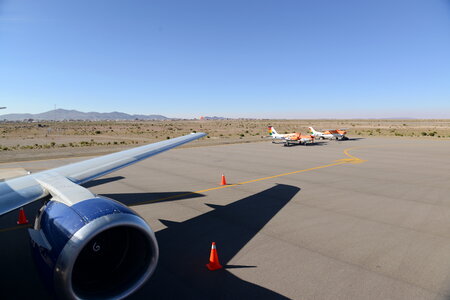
262,59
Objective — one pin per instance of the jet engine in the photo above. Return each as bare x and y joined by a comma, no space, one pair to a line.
95,248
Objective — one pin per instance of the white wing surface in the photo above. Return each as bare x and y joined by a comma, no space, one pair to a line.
17,192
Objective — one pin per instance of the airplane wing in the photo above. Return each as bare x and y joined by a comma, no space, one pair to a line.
17,192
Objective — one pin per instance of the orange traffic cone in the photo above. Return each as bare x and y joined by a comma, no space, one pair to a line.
224,181
22,217
213,259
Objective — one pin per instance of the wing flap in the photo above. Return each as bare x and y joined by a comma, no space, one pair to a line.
62,189
18,192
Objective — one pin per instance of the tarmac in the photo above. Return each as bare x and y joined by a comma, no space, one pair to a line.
364,218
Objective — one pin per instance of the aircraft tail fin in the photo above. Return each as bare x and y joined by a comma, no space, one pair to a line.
272,131
311,130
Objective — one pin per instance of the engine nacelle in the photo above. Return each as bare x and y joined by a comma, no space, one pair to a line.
96,248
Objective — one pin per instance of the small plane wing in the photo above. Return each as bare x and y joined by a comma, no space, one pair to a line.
17,192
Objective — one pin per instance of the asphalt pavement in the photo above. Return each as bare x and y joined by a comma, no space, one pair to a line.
358,219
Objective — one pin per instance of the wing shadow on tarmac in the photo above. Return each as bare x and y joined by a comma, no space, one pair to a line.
184,250
101,181
134,199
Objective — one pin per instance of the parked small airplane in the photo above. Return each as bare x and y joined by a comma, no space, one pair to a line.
275,135
290,138
331,134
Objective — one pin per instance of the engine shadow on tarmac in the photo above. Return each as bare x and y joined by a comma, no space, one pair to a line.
19,277
184,250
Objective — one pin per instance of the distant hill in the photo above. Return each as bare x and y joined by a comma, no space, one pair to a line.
66,115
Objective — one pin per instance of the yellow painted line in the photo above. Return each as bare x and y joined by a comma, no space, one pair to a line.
47,159
352,160
16,227
294,172
352,156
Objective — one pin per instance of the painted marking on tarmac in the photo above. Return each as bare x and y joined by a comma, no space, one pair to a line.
350,160
16,227
47,159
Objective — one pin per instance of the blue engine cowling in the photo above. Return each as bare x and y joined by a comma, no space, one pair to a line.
96,248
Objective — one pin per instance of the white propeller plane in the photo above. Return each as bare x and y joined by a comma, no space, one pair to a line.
291,138
331,134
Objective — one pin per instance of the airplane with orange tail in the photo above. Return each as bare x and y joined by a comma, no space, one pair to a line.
291,138
331,134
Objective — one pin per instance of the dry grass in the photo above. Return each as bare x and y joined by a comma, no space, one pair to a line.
21,140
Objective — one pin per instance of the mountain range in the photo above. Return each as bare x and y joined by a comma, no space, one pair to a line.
66,115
